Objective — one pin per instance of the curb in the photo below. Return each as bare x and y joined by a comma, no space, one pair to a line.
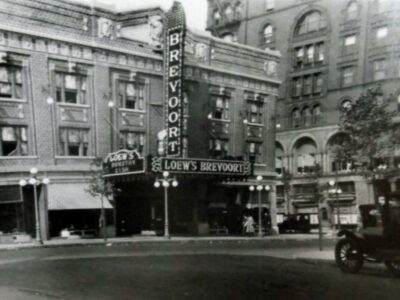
109,242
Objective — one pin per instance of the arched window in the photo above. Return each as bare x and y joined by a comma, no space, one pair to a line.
216,17
304,151
228,13
338,164
352,11
268,34
316,114
295,118
310,22
306,114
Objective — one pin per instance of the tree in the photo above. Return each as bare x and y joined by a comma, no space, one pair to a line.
368,128
98,187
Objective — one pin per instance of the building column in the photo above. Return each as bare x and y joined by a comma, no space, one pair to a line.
43,212
273,209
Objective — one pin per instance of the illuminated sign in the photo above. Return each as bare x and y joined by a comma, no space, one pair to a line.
201,166
123,162
173,62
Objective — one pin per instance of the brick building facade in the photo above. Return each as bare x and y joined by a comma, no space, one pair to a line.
332,51
79,82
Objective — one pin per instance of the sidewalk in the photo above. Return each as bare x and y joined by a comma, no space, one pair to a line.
298,251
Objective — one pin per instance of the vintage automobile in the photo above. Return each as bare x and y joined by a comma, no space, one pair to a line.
377,238
295,223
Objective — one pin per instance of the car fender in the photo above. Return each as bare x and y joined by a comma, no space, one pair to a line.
355,236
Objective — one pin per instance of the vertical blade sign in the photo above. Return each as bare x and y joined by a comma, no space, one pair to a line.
173,65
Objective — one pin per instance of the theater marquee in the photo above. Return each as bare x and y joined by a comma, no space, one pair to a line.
201,166
173,63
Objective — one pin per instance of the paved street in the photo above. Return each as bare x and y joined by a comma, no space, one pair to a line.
184,270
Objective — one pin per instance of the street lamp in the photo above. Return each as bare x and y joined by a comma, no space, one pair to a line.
34,181
166,182
259,187
337,191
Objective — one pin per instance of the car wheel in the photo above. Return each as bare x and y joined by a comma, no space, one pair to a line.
348,255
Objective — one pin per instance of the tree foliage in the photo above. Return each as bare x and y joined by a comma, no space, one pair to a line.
98,186
368,129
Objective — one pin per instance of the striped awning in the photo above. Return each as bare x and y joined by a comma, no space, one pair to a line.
73,196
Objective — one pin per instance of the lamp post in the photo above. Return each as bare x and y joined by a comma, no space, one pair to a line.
259,187
337,191
34,181
166,182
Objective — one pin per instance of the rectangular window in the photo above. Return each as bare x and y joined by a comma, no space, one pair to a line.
299,59
307,85
131,141
350,40
71,88
74,142
320,53
347,76
318,83
254,112
221,108
131,95
381,32
379,69
11,82
310,54
254,151
296,88
218,148
14,141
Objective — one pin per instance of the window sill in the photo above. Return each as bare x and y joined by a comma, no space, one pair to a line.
132,110
255,124
73,104
3,99
18,157
220,120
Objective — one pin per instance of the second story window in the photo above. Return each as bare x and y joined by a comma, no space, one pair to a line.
131,95
320,52
74,142
254,112
307,87
10,82
254,151
13,141
221,108
71,88
132,141
218,148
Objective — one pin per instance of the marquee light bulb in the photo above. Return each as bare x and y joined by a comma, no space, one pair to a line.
157,184
251,188
259,187
259,178
22,182
32,181
165,174
34,171
174,183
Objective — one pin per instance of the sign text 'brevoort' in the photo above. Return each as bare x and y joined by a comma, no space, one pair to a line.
198,166
173,63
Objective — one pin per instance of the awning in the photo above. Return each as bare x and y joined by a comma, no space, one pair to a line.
73,196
